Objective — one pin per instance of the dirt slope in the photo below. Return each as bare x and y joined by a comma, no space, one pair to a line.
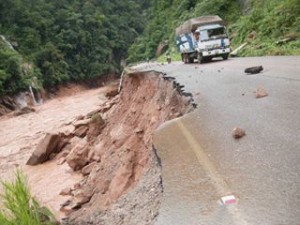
111,170
126,181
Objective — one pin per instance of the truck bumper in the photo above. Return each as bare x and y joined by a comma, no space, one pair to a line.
216,52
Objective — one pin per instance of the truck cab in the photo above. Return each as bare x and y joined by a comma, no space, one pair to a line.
203,38
213,41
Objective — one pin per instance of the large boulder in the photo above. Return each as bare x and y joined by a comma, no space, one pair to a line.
96,125
48,145
78,157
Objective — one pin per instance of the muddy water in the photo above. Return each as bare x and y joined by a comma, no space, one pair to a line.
46,182
20,135
192,187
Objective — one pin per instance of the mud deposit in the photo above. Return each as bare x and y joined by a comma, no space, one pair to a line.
107,172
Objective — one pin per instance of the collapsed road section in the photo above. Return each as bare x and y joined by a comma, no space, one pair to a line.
110,150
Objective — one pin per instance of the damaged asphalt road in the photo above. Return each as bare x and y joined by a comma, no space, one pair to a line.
204,166
206,163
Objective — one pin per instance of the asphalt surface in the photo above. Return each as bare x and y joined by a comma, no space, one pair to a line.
201,162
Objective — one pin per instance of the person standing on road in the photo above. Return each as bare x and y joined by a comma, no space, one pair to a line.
168,56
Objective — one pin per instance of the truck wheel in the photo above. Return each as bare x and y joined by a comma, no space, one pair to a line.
209,59
225,57
191,60
200,58
186,58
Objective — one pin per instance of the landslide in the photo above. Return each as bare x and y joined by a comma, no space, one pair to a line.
111,147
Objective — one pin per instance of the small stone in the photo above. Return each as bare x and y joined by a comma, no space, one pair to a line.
238,133
97,158
80,117
66,209
178,114
112,92
254,70
79,199
88,169
90,114
52,156
66,191
76,186
66,203
81,131
24,110
261,92
138,130
61,161
79,123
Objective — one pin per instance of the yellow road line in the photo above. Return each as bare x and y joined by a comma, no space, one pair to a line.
218,182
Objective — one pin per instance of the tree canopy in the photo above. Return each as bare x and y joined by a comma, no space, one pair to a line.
69,39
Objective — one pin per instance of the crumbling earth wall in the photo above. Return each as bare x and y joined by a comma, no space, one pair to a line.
113,150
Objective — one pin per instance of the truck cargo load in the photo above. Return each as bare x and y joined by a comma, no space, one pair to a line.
202,38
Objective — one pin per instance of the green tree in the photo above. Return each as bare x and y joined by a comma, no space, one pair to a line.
72,40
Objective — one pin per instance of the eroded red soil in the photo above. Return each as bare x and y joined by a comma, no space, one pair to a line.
117,178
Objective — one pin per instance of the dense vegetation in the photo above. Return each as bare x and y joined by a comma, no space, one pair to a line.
71,40
20,207
12,76
66,40
268,21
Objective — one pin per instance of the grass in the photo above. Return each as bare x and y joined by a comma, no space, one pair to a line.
20,208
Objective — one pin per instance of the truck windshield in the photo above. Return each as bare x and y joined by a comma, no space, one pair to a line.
213,34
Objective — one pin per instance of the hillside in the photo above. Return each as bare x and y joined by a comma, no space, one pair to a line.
79,40
15,73
261,23
69,40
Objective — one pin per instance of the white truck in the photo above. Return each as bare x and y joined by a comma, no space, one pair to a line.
203,38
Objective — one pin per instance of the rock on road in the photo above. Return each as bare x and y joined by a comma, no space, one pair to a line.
201,160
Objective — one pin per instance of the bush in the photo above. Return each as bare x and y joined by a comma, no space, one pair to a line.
271,20
19,207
